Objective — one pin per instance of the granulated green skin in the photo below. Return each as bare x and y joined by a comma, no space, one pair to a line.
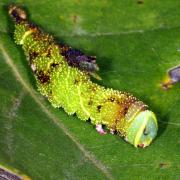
69,87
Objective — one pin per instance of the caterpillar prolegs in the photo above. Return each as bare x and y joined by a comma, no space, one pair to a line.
63,76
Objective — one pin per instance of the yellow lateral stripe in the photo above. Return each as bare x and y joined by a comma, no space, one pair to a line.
81,103
155,119
27,33
138,135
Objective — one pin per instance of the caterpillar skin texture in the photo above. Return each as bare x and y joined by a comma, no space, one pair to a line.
69,86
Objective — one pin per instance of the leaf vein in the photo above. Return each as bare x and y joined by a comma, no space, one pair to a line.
120,33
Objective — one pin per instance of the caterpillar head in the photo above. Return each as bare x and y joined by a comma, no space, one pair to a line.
17,13
142,129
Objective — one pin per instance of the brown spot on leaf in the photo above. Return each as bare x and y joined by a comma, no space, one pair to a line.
164,165
140,2
167,85
74,19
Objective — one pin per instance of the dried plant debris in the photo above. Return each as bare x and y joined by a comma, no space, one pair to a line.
6,174
173,77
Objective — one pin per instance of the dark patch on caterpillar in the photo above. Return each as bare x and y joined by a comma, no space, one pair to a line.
35,30
92,88
32,55
63,49
99,108
76,58
32,26
111,99
90,102
89,120
113,125
76,81
144,107
116,121
38,35
125,110
48,52
124,107
115,132
54,65
43,78
50,92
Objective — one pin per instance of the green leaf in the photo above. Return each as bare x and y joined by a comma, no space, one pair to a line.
135,42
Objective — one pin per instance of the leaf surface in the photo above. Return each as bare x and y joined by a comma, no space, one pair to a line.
135,44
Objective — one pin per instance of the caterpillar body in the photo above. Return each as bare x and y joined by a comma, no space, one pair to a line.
63,76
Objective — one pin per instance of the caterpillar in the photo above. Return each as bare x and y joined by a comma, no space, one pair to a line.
63,75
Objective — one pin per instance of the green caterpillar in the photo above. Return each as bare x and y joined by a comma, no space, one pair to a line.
63,76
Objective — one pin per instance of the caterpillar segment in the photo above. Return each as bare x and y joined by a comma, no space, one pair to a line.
63,76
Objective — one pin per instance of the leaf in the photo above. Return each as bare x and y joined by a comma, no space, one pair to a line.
135,44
